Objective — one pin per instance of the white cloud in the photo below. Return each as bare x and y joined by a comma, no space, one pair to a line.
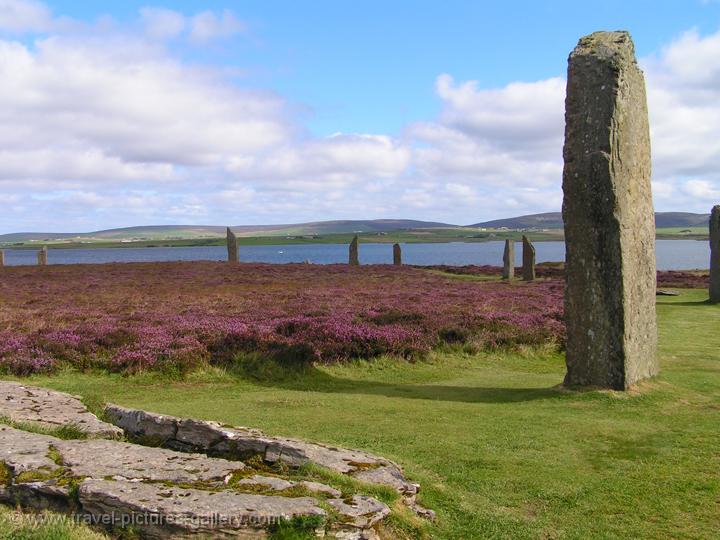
20,16
209,25
161,23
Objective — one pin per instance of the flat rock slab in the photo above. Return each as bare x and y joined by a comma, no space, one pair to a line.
215,439
162,512
23,451
665,292
162,493
21,403
103,458
361,512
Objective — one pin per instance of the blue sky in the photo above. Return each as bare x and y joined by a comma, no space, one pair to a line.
125,113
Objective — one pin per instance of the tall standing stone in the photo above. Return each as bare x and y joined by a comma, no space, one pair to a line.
353,257
509,260
715,255
608,215
397,255
528,258
2,258
232,247
42,256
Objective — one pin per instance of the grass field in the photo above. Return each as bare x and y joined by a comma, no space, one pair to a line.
500,450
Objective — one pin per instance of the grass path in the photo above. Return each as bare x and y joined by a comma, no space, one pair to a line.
500,451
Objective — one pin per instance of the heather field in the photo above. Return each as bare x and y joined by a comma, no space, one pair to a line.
175,317
679,279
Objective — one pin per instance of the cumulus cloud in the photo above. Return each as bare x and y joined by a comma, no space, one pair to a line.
209,25
109,130
162,23
20,16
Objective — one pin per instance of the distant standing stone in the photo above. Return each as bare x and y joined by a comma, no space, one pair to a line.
608,215
509,260
528,258
715,255
354,258
2,258
232,247
42,256
397,255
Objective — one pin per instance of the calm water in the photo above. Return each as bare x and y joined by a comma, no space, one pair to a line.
671,254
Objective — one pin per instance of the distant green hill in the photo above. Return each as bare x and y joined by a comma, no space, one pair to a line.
553,220
203,233
171,232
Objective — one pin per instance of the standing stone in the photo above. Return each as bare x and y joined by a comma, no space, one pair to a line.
2,258
353,258
608,215
715,255
42,256
397,255
509,260
528,258
232,247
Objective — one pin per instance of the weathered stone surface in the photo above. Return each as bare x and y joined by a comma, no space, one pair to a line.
240,443
388,475
665,292
271,482
608,215
509,260
232,246
715,255
177,513
23,451
397,255
42,256
104,458
361,512
169,494
353,256
317,487
2,258
528,259
156,427
21,403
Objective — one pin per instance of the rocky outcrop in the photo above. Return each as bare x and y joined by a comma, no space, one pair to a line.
162,493
171,512
608,215
240,443
198,484
50,409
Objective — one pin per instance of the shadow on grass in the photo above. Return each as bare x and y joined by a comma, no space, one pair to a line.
697,303
311,379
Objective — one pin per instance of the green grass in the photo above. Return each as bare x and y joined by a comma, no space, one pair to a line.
688,233
66,432
499,449
46,526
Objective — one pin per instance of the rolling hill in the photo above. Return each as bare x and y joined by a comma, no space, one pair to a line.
168,232
553,220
